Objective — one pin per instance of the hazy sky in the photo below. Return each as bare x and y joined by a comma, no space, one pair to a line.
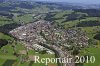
77,1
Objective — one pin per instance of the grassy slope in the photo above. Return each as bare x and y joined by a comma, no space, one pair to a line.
92,51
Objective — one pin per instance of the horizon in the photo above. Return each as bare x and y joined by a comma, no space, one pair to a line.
73,1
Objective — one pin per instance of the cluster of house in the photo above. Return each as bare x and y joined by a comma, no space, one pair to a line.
43,32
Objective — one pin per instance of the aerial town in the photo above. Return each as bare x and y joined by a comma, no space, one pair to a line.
49,33
39,34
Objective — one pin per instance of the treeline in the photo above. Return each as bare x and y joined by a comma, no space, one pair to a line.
75,16
90,12
97,36
8,27
49,16
6,14
90,23
66,17
3,42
